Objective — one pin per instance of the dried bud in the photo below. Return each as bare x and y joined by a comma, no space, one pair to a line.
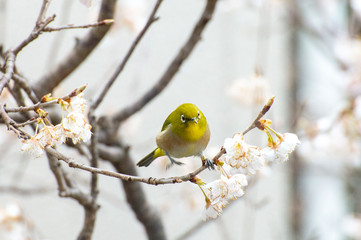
47,98
263,123
41,113
197,181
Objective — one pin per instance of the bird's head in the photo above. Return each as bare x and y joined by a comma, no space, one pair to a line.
188,121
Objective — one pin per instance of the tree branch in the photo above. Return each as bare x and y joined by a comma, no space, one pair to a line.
91,210
71,26
34,34
78,54
9,70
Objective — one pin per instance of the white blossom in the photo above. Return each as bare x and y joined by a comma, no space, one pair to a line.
74,122
281,152
47,136
84,135
74,126
76,104
213,210
235,184
241,155
289,143
61,133
219,192
33,147
216,192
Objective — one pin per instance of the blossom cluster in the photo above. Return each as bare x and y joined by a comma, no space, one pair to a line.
73,126
220,192
242,159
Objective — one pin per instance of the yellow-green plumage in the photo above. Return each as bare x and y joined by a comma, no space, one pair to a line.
185,133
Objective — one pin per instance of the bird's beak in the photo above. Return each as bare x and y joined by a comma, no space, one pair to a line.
194,120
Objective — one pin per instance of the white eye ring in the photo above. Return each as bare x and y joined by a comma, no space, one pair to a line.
199,116
183,119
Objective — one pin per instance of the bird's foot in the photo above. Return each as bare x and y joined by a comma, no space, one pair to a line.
173,161
208,163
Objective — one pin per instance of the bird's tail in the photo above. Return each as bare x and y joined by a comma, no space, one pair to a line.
150,157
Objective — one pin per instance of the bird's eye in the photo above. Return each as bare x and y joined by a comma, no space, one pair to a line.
183,119
199,116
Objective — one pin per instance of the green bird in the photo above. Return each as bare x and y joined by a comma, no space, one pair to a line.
185,133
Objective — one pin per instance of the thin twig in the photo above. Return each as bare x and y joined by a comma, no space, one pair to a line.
23,83
9,70
42,13
30,121
34,34
91,210
260,115
78,54
66,188
72,26
94,157
120,68
42,104
10,123
32,107
19,98
173,68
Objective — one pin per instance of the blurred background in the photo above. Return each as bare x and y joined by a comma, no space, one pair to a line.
307,53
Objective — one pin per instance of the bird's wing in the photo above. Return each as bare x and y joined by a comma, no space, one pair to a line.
166,123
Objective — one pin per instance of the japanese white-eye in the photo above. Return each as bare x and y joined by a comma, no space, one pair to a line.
185,133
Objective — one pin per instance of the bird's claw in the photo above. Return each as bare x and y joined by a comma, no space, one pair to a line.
208,163
176,162
173,161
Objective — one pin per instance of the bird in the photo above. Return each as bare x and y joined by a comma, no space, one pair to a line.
185,132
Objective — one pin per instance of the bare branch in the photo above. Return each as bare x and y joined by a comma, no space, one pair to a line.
65,185
55,167
9,70
120,68
42,104
71,26
29,122
42,13
78,54
91,210
34,34
10,123
173,68
23,83
260,115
